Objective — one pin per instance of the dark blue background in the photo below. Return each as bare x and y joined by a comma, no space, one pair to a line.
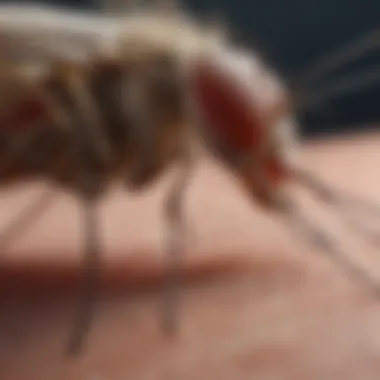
292,34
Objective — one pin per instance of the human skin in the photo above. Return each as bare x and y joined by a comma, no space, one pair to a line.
256,301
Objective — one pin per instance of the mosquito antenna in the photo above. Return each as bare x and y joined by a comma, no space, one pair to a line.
347,54
26,218
321,240
346,204
342,87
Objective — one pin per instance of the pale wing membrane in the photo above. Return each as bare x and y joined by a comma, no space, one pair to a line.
115,6
31,32
42,33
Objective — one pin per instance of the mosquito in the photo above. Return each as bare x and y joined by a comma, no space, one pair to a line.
89,100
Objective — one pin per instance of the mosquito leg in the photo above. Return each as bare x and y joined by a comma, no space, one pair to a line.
27,216
92,265
93,155
346,204
175,249
324,243
143,127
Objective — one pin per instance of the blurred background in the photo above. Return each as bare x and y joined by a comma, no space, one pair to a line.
294,34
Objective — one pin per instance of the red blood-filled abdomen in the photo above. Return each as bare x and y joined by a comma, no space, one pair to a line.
18,157
23,115
226,107
229,108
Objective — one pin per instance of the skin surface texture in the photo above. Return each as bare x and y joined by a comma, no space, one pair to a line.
256,302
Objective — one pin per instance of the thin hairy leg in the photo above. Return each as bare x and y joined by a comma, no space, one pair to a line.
92,153
176,228
91,283
322,240
27,217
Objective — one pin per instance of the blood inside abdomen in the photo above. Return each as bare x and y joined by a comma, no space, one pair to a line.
226,108
24,115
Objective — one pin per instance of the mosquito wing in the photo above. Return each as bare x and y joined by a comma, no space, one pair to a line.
31,32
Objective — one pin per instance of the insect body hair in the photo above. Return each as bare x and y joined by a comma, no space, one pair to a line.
134,82
113,108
